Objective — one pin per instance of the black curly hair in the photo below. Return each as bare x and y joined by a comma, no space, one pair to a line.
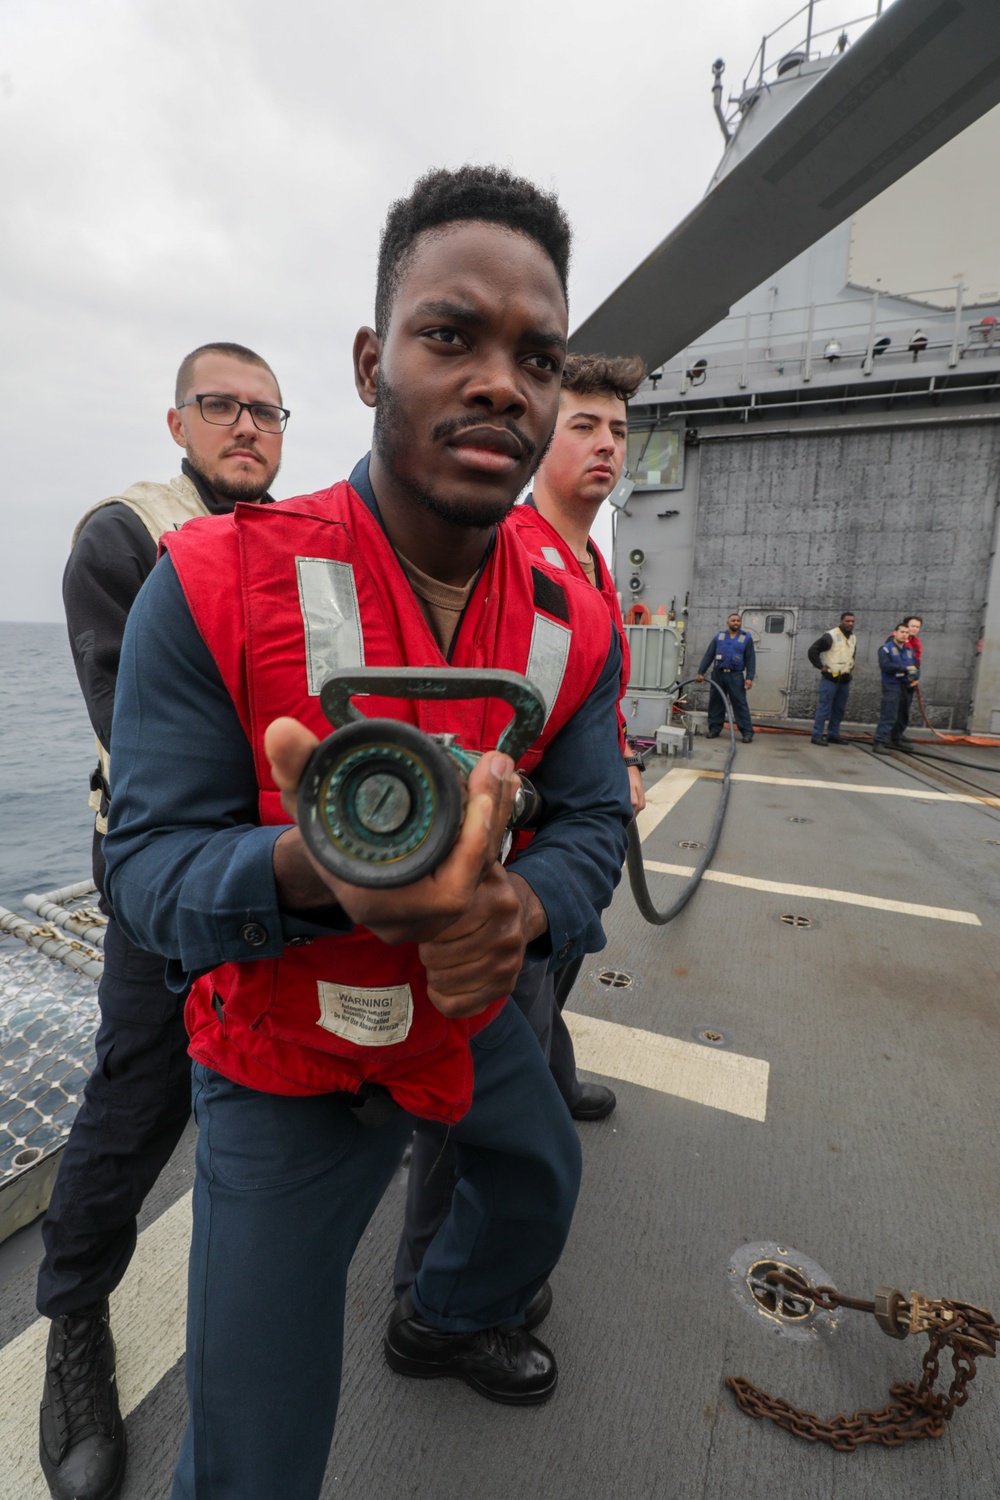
490,194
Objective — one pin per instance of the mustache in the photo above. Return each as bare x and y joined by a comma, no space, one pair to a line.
452,425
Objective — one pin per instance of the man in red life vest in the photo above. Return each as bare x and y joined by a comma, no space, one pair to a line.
303,1112
914,625
581,467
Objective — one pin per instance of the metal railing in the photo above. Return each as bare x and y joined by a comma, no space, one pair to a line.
805,41
792,345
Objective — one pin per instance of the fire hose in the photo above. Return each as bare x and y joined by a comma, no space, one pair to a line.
634,861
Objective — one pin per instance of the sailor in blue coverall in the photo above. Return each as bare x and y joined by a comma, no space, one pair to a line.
733,661
898,665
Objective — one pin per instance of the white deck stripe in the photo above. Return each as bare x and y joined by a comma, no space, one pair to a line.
822,893
147,1319
688,1070
846,786
662,796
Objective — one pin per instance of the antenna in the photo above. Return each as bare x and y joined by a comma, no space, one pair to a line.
718,68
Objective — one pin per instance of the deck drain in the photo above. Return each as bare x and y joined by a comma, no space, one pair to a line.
800,820
712,1036
615,979
789,1313
791,920
689,844
27,1157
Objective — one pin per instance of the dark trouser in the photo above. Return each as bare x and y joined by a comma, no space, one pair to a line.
540,996
889,712
732,685
134,1109
562,1058
903,715
284,1188
433,1163
830,706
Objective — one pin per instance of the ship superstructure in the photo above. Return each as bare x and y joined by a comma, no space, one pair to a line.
833,443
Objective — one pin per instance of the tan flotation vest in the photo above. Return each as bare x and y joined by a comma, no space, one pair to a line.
839,658
160,508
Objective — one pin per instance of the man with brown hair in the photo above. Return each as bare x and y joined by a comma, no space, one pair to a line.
582,465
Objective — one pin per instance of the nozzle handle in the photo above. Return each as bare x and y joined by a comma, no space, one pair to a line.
440,682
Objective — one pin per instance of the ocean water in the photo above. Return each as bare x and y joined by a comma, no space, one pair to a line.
46,757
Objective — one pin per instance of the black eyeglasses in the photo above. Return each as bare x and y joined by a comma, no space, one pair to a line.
224,411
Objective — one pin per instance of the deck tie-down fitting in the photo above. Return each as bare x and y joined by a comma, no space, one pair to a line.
917,1410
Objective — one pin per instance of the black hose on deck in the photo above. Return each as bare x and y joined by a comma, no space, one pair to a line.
951,760
634,862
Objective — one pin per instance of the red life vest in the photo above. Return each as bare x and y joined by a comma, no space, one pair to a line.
544,541
283,595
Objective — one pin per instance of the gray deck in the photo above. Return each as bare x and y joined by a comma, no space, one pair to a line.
877,1159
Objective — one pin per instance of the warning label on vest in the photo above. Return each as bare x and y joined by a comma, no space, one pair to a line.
367,1017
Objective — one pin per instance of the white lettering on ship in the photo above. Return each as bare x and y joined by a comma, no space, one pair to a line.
368,1017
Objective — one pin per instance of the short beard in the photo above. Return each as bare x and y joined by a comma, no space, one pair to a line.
390,443
248,490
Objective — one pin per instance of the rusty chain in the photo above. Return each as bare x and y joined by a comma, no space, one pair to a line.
916,1410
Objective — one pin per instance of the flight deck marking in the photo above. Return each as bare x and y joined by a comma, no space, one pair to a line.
662,796
821,893
722,1080
844,786
148,1320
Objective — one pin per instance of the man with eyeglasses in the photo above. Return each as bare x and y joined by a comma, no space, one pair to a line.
229,420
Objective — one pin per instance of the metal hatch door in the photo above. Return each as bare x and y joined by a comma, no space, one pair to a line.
773,631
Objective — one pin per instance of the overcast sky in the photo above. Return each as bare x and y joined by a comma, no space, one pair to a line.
176,173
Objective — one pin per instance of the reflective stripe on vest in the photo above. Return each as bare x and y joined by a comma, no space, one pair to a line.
328,599
547,658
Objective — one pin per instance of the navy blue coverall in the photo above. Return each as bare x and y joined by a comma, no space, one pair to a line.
898,666
730,657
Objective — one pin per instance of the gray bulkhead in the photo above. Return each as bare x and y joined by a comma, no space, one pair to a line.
838,442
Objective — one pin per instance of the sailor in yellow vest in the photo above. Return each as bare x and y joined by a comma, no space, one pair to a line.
229,420
833,657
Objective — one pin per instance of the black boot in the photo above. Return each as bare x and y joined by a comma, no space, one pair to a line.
504,1364
81,1436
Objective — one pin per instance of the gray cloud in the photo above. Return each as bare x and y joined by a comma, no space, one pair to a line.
183,173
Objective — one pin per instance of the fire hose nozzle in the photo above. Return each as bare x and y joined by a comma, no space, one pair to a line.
380,802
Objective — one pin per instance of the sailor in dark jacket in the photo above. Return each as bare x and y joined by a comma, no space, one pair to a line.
833,657
734,665
137,1101
898,665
